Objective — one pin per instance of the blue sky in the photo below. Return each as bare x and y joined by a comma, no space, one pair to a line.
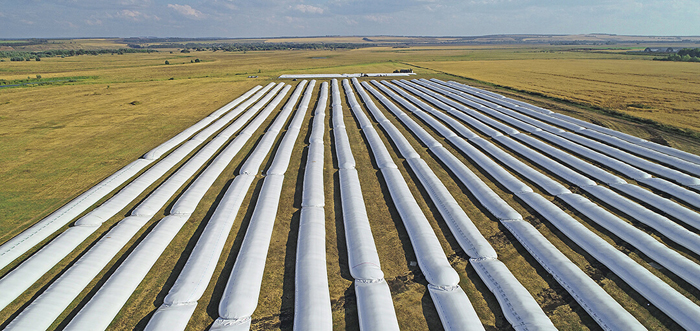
264,18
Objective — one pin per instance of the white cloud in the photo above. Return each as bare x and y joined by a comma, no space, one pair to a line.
134,15
186,10
308,9
67,24
378,18
93,21
132,3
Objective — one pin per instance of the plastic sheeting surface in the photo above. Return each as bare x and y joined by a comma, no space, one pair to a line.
41,313
672,260
158,198
199,268
431,258
284,151
254,160
116,203
500,175
518,306
362,252
636,140
189,200
454,308
345,158
663,296
240,297
577,125
659,251
312,303
466,233
627,158
19,279
21,243
313,177
547,184
677,191
195,276
453,305
572,161
71,283
666,206
553,167
592,298
629,233
109,299
594,156
572,275
375,308
242,290
690,167
663,225
172,318
482,192
660,170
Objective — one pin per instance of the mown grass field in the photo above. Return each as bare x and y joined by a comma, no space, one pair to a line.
58,140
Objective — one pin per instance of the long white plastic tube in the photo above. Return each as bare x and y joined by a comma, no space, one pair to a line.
107,302
678,307
675,262
641,163
375,308
534,117
608,313
660,223
585,128
452,304
240,297
572,278
21,278
312,302
181,301
675,190
671,208
578,126
21,243
518,306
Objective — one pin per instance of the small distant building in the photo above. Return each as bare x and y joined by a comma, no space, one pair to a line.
661,50
252,76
